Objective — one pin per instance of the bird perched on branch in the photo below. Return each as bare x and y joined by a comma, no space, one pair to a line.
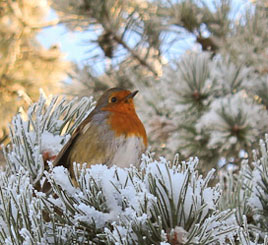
112,134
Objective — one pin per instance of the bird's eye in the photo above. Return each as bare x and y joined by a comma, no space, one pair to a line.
113,99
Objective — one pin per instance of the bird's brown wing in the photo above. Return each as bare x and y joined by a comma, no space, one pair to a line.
62,156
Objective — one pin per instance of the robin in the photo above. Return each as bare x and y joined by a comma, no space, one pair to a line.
112,134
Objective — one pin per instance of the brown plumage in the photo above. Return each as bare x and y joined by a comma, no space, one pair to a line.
112,134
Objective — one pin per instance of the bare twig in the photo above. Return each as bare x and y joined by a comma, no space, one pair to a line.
135,55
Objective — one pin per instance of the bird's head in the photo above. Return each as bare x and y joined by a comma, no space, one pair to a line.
117,100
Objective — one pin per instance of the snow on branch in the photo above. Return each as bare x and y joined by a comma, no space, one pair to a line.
141,206
38,138
162,202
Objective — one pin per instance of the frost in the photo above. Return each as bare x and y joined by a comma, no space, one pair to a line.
91,215
61,176
244,116
146,205
52,143
121,198
175,181
254,200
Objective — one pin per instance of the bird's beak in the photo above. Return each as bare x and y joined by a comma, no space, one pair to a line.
132,94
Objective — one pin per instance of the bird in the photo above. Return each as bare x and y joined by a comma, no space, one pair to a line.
112,134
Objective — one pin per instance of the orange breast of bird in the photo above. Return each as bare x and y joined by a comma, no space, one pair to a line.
124,121
129,135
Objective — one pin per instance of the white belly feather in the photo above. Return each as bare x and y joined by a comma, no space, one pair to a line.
128,151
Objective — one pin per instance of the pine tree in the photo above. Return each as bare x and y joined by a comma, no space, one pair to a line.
26,66
246,191
210,103
161,203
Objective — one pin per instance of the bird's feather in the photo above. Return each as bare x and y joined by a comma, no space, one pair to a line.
62,157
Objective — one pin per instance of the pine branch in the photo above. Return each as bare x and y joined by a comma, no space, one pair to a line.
142,61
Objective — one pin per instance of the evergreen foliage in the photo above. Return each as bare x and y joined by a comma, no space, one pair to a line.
211,102
26,66
161,203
